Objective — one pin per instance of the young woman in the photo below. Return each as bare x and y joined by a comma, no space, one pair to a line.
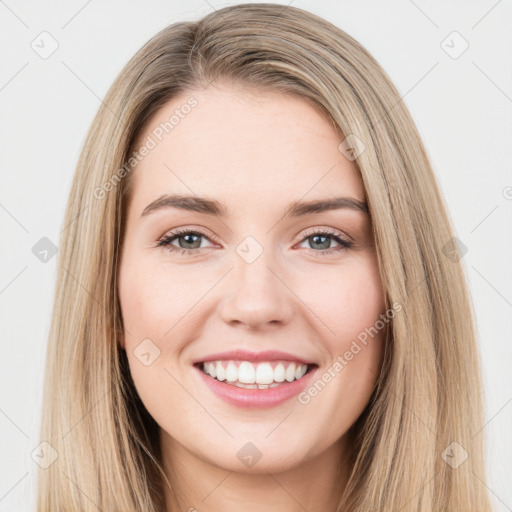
259,301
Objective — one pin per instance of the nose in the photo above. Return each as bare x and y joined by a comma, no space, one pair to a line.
256,295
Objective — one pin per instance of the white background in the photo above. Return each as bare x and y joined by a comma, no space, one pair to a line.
462,108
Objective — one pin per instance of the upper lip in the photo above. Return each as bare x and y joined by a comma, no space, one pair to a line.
245,355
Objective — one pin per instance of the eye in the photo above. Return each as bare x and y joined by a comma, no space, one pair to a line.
322,239
189,241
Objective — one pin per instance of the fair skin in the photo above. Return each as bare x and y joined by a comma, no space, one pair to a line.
255,153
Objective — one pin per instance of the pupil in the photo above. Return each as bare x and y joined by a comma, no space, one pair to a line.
325,244
188,241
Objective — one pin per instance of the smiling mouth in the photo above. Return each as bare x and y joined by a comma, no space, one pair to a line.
262,375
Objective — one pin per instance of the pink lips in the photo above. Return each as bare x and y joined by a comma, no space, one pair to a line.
255,398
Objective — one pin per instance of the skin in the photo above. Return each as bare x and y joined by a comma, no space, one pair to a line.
255,152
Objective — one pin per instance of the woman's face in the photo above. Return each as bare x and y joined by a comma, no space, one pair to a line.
248,273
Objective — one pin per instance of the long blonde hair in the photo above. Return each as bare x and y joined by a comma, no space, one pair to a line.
427,408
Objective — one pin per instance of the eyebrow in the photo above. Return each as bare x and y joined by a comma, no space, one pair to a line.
213,207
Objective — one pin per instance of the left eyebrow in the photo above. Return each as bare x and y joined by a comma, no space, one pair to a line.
213,207
300,208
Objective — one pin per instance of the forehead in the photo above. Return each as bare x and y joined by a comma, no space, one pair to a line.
242,145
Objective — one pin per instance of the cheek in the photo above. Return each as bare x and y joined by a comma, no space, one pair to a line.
350,304
157,306
148,313
154,298
347,300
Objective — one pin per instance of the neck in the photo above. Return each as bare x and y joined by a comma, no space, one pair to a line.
317,484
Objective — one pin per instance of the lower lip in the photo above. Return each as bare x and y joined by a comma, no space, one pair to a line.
256,398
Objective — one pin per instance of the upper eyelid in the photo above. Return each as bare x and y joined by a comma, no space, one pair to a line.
183,231
329,231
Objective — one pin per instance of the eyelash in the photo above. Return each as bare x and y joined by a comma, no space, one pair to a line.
166,240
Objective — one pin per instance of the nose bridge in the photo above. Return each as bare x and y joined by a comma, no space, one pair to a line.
256,295
252,264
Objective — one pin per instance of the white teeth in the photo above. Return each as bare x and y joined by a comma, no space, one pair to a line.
300,371
247,386
264,374
246,373
221,373
231,373
290,373
255,376
279,373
